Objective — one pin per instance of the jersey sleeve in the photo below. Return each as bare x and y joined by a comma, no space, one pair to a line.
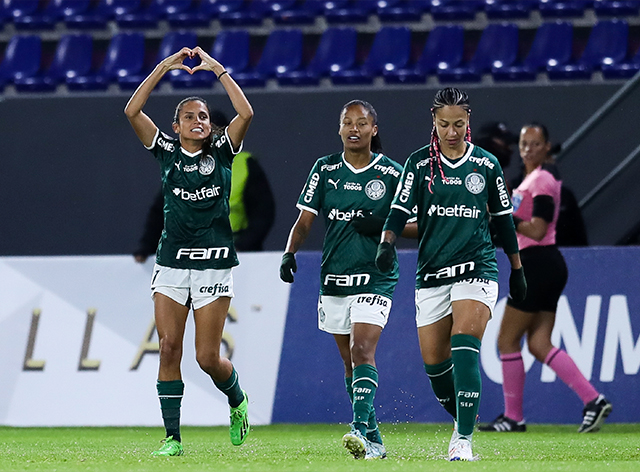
499,201
223,148
544,184
162,146
311,196
405,197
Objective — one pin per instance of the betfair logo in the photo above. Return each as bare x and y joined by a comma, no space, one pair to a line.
200,194
457,211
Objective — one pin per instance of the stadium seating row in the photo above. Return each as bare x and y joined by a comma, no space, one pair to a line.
95,14
335,57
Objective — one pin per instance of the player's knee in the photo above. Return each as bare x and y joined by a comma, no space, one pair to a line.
209,361
362,353
170,350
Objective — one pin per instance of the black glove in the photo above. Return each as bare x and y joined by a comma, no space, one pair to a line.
369,225
287,267
517,284
385,256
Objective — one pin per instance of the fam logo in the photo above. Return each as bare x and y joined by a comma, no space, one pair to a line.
474,183
203,253
206,165
375,189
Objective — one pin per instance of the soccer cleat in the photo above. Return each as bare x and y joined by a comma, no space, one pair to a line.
239,422
454,436
594,414
504,424
460,448
375,451
171,447
356,444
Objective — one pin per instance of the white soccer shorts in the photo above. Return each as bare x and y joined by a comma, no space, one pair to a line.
433,304
336,314
201,286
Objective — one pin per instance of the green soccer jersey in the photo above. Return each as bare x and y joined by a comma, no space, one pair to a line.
453,221
197,233
341,192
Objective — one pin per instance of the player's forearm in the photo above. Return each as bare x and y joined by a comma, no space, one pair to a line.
141,95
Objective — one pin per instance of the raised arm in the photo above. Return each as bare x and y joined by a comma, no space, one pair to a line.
240,124
144,127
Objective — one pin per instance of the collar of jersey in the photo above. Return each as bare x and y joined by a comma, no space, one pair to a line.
364,169
457,162
189,154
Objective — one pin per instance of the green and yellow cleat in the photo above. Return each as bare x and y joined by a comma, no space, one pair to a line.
171,447
239,422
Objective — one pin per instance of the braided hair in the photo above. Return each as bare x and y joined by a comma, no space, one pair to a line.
215,130
376,143
452,97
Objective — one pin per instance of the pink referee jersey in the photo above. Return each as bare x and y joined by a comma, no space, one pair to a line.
538,182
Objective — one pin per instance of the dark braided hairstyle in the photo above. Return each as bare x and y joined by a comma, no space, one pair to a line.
449,96
376,143
215,130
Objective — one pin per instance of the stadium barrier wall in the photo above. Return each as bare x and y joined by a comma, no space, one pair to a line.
598,323
79,348
78,344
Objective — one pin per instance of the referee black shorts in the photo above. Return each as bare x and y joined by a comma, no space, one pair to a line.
546,274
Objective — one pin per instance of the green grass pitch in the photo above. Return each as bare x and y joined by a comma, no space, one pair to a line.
317,447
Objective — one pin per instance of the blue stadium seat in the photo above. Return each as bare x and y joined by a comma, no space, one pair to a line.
113,8
282,54
22,58
142,16
124,58
391,50
497,48
336,51
231,49
300,13
607,44
455,10
624,69
552,46
399,11
82,15
251,14
562,9
192,14
443,49
616,9
73,57
30,14
350,12
509,9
